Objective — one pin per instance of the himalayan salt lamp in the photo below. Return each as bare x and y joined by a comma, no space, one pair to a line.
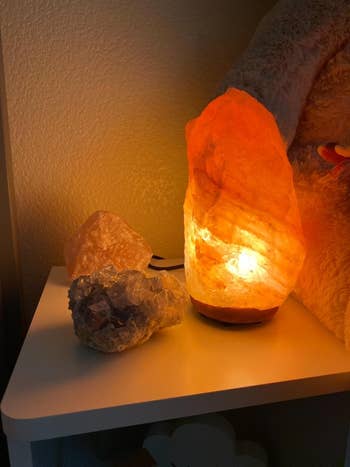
244,245
105,239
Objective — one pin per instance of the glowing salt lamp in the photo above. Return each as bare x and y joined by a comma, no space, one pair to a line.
244,245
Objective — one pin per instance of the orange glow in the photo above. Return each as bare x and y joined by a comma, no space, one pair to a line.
243,240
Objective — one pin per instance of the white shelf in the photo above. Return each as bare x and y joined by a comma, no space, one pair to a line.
61,388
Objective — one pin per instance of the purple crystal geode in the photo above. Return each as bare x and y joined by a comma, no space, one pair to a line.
113,311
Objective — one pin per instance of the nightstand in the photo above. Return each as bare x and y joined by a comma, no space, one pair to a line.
61,388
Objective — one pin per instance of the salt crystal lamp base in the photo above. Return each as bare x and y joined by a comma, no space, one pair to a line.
234,315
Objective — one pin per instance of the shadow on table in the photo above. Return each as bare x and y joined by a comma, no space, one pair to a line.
59,357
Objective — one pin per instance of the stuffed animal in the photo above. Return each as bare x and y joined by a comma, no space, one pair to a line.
298,66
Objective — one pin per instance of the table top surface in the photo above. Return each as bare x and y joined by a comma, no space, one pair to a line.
59,387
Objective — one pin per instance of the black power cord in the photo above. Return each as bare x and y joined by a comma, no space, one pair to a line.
158,263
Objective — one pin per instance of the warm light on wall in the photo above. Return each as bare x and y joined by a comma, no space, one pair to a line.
243,239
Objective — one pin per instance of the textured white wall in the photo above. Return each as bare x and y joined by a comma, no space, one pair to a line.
98,95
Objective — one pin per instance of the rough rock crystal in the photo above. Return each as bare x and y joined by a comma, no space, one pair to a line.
102,240
113,311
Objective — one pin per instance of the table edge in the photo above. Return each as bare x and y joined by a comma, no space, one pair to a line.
34,429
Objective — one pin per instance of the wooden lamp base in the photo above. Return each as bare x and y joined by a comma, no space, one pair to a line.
234,315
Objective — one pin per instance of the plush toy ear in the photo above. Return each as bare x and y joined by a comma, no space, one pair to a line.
291,46
326,114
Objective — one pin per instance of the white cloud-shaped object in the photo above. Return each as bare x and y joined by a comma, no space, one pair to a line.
207,441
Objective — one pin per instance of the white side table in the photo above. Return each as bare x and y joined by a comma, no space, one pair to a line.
60,388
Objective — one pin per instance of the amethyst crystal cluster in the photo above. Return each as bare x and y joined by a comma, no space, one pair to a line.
113,311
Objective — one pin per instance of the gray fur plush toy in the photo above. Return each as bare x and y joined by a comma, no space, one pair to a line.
298,66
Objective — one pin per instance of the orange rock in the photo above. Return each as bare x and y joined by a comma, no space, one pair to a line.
244,245
102,240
